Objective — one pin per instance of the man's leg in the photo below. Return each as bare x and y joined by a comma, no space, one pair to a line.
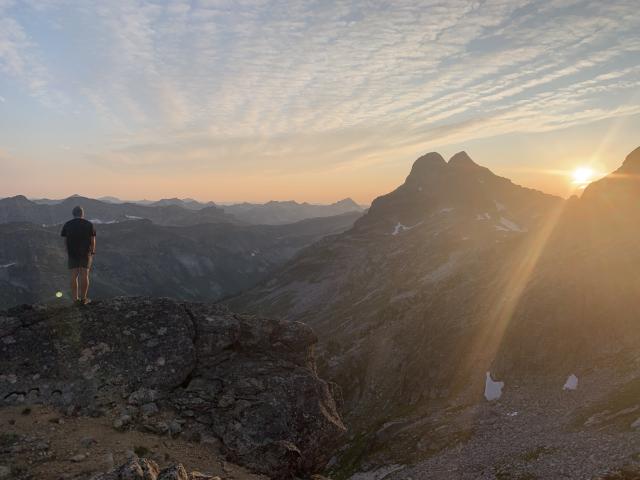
74,283
84,282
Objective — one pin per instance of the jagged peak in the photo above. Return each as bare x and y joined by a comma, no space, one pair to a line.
462,159
632,161
427,163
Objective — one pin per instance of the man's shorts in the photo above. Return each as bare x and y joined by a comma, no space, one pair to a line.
80,262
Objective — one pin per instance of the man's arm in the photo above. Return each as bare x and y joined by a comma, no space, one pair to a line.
63,234
92,249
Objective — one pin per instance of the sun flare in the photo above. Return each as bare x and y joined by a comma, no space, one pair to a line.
582,175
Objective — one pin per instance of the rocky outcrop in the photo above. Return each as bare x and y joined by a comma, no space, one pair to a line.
143,469
456,273
399,300
177,368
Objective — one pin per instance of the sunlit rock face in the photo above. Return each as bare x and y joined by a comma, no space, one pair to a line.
619,187
458,272
435,186
408,303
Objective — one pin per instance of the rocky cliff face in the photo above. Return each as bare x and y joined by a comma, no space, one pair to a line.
456,273
400,300
174,368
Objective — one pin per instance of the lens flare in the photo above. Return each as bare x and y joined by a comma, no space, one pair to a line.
582,175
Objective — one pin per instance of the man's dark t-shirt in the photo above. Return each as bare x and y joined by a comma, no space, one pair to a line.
78,232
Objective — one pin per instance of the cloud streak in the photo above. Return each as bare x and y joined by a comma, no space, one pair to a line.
289,84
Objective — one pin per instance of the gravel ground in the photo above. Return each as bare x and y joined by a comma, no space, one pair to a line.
543,432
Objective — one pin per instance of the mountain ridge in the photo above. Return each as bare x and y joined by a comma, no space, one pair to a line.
456,273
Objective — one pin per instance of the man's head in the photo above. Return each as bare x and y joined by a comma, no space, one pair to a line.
78,212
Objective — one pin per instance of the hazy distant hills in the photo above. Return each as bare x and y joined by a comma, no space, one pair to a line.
455,273
173,247
110,209
277,213
137,257
20,209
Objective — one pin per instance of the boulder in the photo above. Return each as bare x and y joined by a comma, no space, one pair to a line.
249,382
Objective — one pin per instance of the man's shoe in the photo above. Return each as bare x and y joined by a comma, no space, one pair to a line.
86,301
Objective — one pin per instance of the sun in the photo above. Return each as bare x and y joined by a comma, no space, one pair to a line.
582,176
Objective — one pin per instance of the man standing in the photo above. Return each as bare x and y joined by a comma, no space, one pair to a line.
80,239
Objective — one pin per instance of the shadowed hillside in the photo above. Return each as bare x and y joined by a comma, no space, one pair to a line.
456,273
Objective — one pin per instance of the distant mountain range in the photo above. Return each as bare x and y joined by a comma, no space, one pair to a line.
278,213
21,209
456,273
270,213
189,203
198,262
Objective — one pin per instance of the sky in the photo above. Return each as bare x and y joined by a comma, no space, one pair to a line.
309,100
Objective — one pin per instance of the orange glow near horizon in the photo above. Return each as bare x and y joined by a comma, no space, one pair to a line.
582,176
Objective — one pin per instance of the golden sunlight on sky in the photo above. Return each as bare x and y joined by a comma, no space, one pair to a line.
582,176
313,100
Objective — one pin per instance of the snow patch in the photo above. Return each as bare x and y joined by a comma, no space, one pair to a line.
507,225
133,217
442,271
492,389
571,383
402,228
377,474
403,295
102,222
446,210
367,296
512,414
7,265
499,206
483,216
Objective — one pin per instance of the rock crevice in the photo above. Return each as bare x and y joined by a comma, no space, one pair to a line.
175,368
